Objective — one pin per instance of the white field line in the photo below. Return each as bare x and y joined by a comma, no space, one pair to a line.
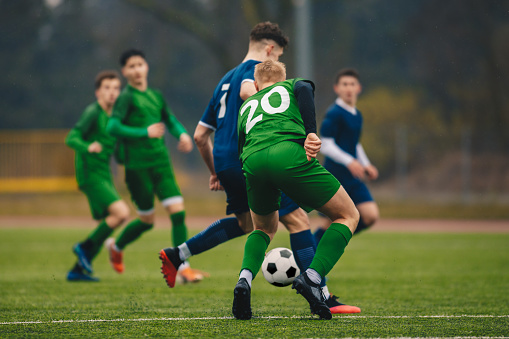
270,317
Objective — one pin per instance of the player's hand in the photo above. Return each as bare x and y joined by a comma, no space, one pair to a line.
214,183
95,147
312,145
185,144
356,169
371,172
156,130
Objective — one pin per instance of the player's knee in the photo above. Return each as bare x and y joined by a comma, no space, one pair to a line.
123,212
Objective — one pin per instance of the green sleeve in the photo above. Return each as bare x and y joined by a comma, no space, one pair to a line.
75,141
174,126
76,137
117,129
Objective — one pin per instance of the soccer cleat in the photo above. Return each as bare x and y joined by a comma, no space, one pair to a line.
80,276
336,307
190,275
82,258
241,308
313,294
171,261
115,255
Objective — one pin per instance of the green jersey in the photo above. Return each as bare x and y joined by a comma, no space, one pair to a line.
269,117
91,167
136,110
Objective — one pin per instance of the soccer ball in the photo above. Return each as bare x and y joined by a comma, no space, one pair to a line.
279,267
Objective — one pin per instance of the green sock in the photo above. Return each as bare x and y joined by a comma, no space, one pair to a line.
101,233
132,232
178,228
330,248
254,251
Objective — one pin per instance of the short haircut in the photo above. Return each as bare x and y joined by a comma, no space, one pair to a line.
350,72
270,71
108,74
268,30
130,53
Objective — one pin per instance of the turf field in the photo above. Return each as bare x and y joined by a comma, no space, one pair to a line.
407,284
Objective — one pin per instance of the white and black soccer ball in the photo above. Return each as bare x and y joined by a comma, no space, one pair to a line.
279,267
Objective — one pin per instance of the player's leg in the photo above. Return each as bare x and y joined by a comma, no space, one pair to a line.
369,215
264,202
219,231
324,223
141,189
364,202
304,247
311,186
100,198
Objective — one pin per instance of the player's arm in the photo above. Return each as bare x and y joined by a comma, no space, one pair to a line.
177,130
370,170
247,89
75,139
305,94
202,135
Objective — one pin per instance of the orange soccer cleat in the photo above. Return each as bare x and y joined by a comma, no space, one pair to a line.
336,307
115,255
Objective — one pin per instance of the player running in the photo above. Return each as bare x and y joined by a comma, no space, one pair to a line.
278,146
267,42
94,147
139,118
344,155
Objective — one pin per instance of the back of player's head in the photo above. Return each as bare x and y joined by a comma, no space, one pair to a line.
270,71
268,30
350,72
107,74
128,54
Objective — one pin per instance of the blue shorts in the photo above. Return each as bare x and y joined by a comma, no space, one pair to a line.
234,183
356,189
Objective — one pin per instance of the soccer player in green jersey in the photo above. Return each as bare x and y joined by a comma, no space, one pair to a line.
278,147
94,147
139,119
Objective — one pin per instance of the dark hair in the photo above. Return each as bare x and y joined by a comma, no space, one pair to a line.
268,30
108,74
350,72
130,53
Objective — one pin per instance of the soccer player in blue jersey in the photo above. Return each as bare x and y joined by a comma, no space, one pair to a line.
344,155
267,42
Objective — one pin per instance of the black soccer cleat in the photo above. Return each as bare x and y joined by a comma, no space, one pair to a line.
242,300
313,294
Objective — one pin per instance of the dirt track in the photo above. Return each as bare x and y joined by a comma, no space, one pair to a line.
384,225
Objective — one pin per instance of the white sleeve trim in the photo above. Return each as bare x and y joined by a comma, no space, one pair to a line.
361,155
331,150
247,80
207,125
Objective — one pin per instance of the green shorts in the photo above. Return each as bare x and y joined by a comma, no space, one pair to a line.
144,183
284,167
100,196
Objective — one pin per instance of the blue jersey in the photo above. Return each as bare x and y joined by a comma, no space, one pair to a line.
345,128
222,114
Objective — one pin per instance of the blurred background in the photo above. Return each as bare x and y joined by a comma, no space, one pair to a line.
435,99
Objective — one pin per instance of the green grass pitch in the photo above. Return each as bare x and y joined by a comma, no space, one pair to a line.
407,284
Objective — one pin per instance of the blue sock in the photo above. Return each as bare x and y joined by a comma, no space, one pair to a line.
217,233
303,247
318,235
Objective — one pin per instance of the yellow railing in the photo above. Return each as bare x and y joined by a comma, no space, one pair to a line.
35,161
